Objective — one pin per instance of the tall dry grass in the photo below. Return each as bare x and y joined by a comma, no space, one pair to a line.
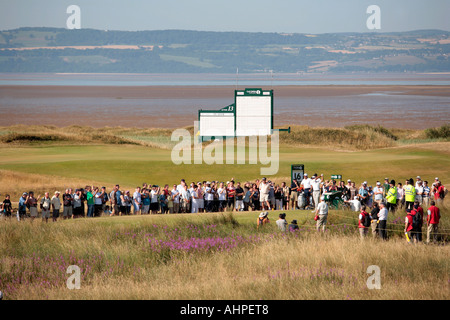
118,262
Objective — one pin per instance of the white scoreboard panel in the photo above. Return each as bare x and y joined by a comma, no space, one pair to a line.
254,112
251,114
216,124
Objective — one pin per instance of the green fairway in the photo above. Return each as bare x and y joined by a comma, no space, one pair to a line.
131,165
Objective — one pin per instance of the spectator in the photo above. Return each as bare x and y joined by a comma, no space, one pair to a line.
271,195
316,186
56,206
378,192
154,196
285,191
22,211
264,194
322,213
306,184
201,197
293,226
31,204
294,193
418,213
255,198
67,199
433,217
281,222
374,219
382,221
175,199
364,222
278,198
409,226
145,197
90,201
46,204
418,182
369,197
127,202
231,193
7,206
355,204
426,195
400,195
185,200
77,206
363,193
239,194
137,201
419,192
391,197
262,219
439,192
247,198
195,199
410,194
222,193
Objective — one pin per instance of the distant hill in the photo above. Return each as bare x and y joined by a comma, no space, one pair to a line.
184,51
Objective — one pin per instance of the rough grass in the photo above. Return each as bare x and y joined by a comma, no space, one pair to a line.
118,260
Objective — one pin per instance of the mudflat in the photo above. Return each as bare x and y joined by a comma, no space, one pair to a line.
397,106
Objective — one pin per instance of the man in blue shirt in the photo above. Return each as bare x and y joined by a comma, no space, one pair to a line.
22,212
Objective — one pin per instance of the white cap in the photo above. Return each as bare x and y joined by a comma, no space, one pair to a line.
305,174
349,180
418,177
322,198
365,182
378,183
436,178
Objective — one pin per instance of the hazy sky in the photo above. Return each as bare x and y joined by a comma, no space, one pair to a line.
301,16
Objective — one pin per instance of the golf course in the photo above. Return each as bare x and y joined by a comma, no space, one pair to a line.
215,255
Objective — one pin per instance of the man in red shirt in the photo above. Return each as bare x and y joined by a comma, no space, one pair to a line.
409,225
433,217
364,222
439,192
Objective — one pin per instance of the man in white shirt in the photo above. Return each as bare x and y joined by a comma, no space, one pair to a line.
154,194
176,199
56,205
355,204
264,194
209,197
419,192
315,183
378,192
137,200
186,200
306,183
222,197
418,181
322,213
382,220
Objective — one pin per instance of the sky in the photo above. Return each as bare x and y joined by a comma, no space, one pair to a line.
290,16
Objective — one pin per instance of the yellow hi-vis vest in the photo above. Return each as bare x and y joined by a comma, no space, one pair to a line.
410,193
391,196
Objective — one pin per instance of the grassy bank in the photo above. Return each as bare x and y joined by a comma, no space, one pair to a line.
215,256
